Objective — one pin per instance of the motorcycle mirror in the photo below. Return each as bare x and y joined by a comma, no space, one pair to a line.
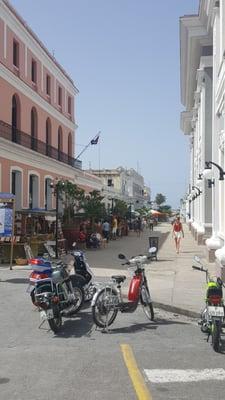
74,244
121,256
152,250
197,259
219,281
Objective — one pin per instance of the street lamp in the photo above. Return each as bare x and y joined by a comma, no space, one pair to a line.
55,186
208,167
199,191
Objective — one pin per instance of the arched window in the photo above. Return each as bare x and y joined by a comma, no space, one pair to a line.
48,137
33,129
15,119
60,143
70,153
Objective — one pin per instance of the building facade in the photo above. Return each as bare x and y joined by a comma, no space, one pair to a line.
123,184
37,121
202,40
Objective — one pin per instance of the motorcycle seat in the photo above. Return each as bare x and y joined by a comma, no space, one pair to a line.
119,278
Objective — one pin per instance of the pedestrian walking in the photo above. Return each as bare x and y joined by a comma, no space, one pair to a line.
138,226
114,228
106,230
177,233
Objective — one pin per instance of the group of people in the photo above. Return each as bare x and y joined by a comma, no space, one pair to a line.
101,232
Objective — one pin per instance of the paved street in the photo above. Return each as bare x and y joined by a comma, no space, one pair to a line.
84,363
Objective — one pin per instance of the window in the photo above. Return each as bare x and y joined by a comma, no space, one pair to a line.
59,96
34,71
69,105
48,137
48,85
60,141
110,182
15,53
13,188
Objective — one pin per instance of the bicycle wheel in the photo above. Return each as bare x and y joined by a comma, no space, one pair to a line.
104,310
146,303
216,331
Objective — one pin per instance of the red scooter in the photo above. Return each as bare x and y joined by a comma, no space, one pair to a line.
108,300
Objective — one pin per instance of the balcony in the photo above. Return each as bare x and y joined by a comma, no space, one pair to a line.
14,135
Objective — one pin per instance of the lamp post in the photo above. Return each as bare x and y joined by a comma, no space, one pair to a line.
55,187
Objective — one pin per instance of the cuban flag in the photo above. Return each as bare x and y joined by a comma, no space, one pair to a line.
95,139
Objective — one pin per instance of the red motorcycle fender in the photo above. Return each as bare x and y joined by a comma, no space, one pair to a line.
134,289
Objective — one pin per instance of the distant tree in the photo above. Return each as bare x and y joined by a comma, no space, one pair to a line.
160,199
93,207
71,196
120,208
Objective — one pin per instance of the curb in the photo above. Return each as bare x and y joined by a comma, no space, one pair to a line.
176,310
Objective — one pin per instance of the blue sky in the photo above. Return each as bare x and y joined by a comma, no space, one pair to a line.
123,56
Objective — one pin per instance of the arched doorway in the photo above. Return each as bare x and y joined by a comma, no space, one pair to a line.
16,188
48,194
15,119
33,192
33,129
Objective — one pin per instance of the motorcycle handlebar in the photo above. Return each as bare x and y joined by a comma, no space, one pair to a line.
198,268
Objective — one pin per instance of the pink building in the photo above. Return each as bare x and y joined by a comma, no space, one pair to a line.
37,122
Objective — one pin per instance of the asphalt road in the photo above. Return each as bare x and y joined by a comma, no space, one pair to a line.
82,363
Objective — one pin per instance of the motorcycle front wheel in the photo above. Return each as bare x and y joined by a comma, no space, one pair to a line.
79,294
216,331
104,311
147,303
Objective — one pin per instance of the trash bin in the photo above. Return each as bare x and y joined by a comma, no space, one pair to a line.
154,242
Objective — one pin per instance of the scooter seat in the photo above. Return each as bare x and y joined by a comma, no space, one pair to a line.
119,278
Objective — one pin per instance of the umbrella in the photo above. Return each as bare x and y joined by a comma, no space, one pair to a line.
155,213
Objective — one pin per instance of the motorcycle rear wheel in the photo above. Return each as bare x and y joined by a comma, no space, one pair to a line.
55,323
216,331
147,303
103,313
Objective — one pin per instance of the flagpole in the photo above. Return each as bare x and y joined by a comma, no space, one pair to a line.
99,158
76,158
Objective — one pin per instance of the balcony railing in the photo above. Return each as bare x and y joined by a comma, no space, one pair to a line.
12,134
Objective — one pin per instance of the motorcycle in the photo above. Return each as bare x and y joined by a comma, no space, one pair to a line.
212,317
84,274
81,273
108,300
53,292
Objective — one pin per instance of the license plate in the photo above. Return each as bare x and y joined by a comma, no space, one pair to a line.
216,311
48,314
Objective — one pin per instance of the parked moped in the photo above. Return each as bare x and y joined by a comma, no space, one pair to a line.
108,300
212,317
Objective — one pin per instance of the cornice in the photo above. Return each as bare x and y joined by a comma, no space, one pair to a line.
193,35
22,30
185,122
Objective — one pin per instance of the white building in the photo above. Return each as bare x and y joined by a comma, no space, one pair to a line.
202,40
122,184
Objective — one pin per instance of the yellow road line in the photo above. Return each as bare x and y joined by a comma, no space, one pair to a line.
135,375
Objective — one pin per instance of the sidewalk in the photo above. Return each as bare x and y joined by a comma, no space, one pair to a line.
174,285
